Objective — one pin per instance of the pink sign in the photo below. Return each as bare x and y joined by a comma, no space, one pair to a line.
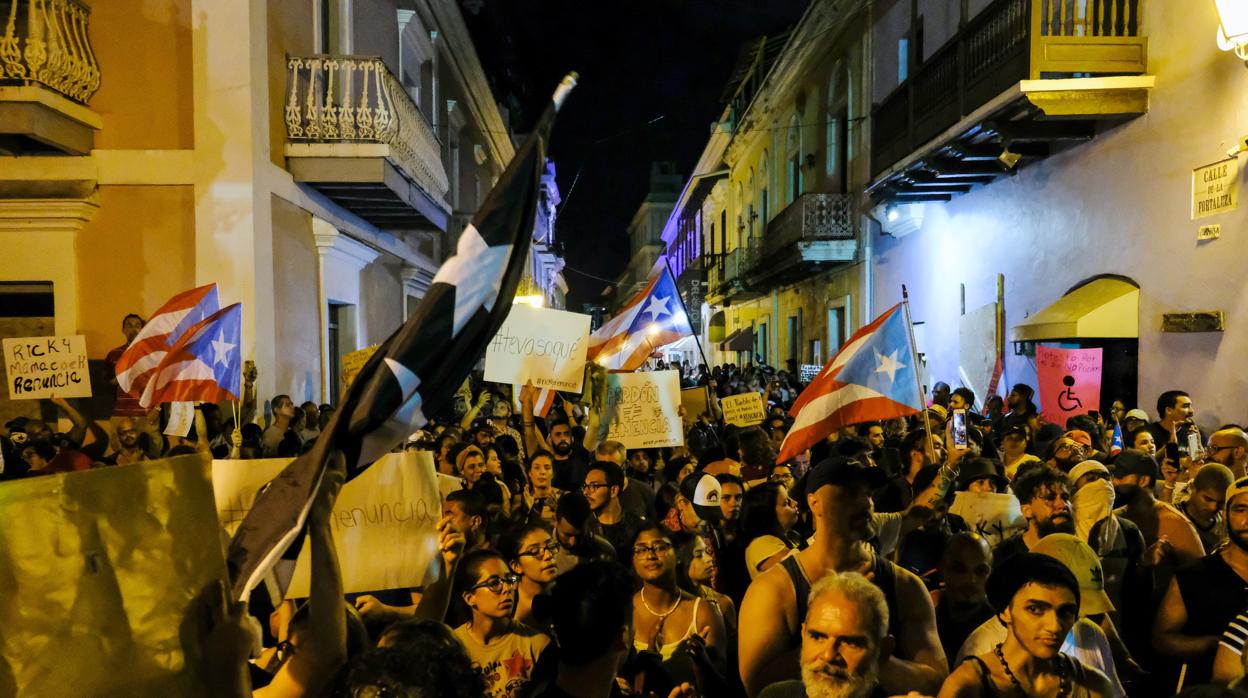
1070,382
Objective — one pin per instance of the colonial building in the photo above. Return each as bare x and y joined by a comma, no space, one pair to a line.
645,230
775,198
1041,158
316,159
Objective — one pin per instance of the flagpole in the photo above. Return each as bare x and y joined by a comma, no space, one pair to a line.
697,341
918,383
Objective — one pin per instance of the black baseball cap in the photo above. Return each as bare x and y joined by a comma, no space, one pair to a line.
1135,462
842,470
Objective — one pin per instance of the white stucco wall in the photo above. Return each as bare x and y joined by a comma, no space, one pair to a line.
1121,205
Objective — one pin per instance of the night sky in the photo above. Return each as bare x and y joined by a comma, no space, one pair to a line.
639,61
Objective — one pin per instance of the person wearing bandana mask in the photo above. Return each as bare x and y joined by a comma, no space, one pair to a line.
1117,542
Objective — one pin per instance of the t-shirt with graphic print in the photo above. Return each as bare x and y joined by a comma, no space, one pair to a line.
507,662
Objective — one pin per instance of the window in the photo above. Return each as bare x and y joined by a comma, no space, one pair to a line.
795,337
760,341
903,60
794,164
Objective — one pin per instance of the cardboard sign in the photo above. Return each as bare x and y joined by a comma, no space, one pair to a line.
43,367
642,409
1070,382
694,402
1215,188
540,345
744,410
181,417
808,372
996,517
350,365
383,521
100,568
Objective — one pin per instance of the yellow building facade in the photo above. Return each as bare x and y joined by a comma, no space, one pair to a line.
316,159
785,262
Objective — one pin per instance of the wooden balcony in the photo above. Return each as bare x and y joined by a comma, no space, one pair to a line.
1023,79
355,135
48,73
809,236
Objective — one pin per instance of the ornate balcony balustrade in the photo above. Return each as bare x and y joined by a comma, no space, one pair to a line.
45,42
357,101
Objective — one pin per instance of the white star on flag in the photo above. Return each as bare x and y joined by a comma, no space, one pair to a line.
658,307
888,364
476,271
406,419
221,350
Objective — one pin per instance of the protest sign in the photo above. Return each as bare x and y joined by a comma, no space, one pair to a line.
181,417
808,372
99,569
694,402
383,522
642,409
43,367
1070,382
994,516
352,363
744,410
539,345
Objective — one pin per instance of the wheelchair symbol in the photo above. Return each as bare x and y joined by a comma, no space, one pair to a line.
1067,400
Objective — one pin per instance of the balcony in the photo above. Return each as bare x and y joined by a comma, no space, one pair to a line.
355,135
48,73
1023,79
727,279
810,235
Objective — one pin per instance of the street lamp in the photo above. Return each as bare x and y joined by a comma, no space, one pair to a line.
1233,29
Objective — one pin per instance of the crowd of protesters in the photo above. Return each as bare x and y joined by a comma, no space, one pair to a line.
573,566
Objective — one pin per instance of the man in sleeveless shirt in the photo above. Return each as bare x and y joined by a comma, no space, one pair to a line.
1205,596
838,491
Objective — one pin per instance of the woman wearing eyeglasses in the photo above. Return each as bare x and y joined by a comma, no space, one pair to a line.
530,551
679,637
503,650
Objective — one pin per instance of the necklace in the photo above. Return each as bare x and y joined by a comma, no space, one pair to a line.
655,613
1063,688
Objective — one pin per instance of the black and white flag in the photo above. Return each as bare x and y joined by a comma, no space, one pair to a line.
423,363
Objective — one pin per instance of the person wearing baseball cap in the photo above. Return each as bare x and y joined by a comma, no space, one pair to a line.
1134,419
838,493
1014,442
1202,599
1022,409
1038,601
1134,475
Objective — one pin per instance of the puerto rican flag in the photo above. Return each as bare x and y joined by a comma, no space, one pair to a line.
162,331
651,319
204,366
872,377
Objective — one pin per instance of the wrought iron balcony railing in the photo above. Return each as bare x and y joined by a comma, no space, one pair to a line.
811,217
45,42
356,99
1007,41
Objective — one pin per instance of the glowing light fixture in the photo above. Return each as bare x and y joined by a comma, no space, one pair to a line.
534,300
1233,29
1009,158
892,215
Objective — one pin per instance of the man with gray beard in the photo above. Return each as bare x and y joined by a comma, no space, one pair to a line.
844,640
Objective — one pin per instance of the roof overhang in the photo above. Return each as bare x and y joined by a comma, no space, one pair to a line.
1029,121
1100,309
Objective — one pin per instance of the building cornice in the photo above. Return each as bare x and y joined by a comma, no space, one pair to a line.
344,249
46,215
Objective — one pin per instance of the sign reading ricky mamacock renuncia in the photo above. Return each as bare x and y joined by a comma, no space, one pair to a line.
1215,188
44,367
